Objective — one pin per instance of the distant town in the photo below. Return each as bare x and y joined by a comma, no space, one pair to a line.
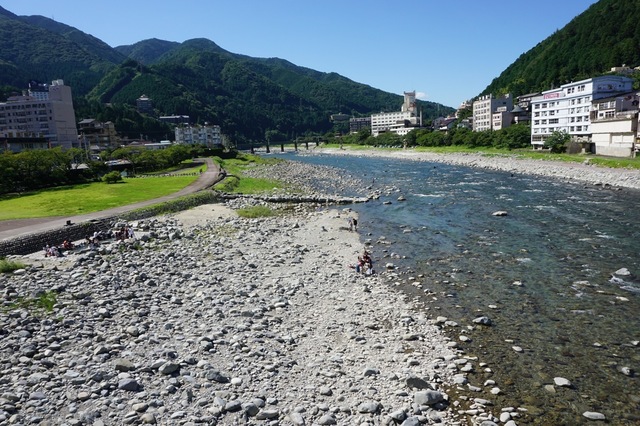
600,114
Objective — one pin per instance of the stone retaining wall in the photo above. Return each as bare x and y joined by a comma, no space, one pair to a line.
35,242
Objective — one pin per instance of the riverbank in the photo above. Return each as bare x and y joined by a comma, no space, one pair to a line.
581,173
212,318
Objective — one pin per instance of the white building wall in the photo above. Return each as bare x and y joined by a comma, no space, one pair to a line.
209,135
568,107
52,118
387,121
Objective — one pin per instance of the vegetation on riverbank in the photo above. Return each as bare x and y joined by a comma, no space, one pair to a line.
7,266
236,180
85,198
46,168
613,162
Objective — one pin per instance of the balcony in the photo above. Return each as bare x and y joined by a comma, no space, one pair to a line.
615,116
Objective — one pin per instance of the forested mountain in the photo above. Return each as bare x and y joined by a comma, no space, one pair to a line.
246,96
37,48
604,36
147,51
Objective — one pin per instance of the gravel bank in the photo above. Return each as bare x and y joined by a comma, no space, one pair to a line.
570,172
209,318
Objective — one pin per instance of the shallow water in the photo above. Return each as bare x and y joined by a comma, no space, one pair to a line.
544,274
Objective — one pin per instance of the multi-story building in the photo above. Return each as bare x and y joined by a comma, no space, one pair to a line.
485,107
93,132
175,119
614,125
29,122
567,108
401,122
501,118
208,135
358,123
144,105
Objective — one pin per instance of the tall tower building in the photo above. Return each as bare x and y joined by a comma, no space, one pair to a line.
409,104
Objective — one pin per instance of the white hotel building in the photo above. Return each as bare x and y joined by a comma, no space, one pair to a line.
401,122
568,107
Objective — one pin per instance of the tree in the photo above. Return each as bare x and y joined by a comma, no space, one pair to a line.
112,177
557,142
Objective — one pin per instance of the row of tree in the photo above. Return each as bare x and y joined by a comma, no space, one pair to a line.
512,137
37,169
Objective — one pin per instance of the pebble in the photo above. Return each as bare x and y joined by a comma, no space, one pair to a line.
592,415
169,333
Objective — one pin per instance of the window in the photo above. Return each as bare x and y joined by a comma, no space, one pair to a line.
553,121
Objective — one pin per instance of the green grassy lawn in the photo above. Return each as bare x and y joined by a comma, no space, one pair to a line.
237,182
186,167
86,198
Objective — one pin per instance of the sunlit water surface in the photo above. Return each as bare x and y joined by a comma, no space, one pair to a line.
544,274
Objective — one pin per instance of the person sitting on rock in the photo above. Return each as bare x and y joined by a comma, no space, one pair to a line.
367,263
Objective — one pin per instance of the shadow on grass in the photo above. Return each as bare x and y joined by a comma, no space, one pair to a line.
13,195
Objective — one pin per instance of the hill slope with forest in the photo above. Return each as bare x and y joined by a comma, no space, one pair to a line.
604,36
247,96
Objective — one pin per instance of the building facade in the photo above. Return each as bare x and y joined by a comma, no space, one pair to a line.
93,132
144,105
484,109
29,122
568,108
614,125
401,122
358,123
207,135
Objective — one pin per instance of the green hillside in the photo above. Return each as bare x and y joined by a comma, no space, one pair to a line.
246,96
604,36
147,51
37,48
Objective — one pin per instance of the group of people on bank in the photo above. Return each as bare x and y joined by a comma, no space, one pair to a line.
364,264
90,241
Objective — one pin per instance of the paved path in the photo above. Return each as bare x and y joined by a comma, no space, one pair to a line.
15,228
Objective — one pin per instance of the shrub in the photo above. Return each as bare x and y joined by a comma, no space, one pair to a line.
9,265
256,211
557,142
112,177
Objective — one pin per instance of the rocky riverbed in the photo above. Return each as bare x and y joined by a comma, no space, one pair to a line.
209,318
234,321
584,173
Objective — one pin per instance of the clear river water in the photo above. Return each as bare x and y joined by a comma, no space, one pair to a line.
548,275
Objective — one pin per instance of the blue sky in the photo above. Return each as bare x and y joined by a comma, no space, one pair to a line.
447,51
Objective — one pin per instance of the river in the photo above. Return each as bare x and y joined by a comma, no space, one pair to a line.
551,275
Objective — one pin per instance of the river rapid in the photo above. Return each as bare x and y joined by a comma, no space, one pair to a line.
555,275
